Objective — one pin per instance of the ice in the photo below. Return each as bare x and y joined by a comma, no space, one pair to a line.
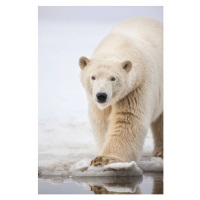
154,164
82,165
83,168
67,150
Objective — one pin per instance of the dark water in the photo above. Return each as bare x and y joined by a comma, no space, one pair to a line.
149,183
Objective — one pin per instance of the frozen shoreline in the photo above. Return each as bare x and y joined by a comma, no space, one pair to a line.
67,149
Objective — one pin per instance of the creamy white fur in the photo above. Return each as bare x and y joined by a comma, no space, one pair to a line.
135,98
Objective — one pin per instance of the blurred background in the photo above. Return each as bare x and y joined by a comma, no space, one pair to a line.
66,34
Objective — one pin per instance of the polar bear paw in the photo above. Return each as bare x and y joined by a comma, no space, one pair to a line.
98,190
104,160
158,153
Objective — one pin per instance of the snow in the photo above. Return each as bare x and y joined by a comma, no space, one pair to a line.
67,150
82,168
154,164
65,142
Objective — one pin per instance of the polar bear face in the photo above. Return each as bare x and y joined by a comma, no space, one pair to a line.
105,83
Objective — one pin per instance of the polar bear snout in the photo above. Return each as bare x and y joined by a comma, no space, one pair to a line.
101,97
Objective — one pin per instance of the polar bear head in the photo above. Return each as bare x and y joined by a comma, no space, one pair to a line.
106,82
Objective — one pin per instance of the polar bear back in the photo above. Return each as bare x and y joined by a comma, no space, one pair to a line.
138,32
148,29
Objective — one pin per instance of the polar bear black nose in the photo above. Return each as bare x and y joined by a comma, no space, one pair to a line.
101,97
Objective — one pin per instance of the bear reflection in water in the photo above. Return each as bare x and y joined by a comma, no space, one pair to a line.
122,185
150,183
116,185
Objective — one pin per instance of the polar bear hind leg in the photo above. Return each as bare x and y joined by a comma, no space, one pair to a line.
157,130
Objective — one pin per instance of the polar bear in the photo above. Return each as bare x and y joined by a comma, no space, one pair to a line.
124,85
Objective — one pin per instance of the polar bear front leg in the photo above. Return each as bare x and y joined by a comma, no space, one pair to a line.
124,139
99,122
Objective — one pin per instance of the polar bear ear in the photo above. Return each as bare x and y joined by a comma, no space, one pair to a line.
83,61
127,65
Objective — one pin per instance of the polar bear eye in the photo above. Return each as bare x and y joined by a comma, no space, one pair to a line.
113,79
93,78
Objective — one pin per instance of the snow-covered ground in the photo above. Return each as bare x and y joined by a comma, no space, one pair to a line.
65,140
66,149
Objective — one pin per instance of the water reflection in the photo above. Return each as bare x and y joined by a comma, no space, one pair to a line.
157,186
111,185
149,183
